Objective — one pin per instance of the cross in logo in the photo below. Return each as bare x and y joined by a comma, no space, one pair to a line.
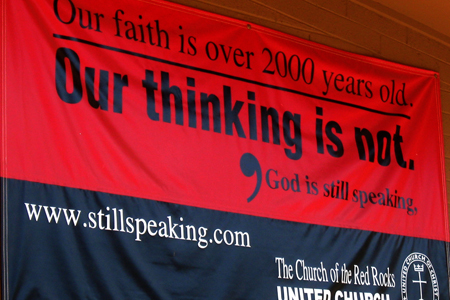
419,269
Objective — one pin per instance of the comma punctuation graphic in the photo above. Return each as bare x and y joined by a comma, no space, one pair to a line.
249,167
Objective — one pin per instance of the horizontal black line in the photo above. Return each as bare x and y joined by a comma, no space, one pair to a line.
185,66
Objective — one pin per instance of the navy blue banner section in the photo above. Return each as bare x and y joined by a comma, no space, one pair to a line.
78,244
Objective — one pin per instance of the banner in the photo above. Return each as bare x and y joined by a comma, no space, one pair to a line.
154,151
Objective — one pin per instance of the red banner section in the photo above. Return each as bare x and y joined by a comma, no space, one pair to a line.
159,101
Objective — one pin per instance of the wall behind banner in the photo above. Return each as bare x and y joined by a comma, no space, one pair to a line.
358,26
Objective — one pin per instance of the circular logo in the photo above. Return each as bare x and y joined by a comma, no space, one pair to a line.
418,278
